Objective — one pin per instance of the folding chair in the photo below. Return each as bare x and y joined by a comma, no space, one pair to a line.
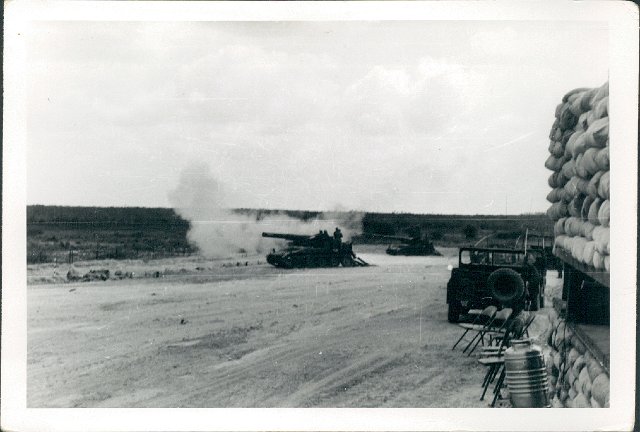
480,322
498,325
476,312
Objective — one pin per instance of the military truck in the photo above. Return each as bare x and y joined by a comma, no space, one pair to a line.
500,277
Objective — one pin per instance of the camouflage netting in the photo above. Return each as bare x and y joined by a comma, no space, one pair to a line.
579,159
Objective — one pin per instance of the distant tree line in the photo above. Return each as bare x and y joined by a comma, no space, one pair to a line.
63,234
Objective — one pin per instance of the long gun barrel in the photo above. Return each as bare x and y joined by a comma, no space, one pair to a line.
397,238
290,237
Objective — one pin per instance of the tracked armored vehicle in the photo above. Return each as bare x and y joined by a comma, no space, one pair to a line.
410,246
319,250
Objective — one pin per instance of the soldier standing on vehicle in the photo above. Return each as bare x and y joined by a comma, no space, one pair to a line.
337,237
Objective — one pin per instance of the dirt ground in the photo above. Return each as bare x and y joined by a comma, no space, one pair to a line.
214,334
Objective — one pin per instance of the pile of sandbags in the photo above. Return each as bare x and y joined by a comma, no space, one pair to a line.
579,159
577,379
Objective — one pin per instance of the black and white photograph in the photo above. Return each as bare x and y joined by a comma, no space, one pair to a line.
282,207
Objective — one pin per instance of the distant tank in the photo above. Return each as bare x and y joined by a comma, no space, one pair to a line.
320,250
410,246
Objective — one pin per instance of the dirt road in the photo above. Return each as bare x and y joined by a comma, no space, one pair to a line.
258,337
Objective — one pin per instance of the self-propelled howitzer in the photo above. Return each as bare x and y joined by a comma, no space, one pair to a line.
410,246
320,250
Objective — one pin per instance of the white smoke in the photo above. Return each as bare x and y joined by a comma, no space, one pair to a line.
219,232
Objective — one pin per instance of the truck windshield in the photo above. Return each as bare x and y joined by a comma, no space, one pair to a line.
490,258
475,257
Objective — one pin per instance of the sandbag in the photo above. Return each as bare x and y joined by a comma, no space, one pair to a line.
588,99
601,93
577,105
558,227
594,403
581,171
564,243
573,355
575,206
601,159
582,121
558,194
569,168
591,117
601,236
577,248
579,346
555,163
600,388
558,180
572,93
583,374
578,364
556,148
603,186
593,211
558,210
588,252
558,112
601,108
582,186
567,119
571,188
606,263
556,403
598,260
588,357
584,212
569,149
592,188
560,241
586,230
597,134
571,226
580,401
588,162
586,389
603,214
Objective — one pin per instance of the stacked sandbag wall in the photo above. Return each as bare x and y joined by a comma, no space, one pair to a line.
577,379
579,159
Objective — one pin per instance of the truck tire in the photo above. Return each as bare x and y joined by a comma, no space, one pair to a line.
505,285
453,314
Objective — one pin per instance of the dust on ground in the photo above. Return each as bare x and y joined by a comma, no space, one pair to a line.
226,334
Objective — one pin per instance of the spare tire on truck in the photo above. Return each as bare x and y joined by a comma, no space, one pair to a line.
506,286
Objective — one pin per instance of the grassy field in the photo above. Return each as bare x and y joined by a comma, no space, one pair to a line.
69,234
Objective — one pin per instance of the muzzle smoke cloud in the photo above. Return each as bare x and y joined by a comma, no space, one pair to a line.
219,232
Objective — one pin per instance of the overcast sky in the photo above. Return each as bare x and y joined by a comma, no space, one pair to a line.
426,117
